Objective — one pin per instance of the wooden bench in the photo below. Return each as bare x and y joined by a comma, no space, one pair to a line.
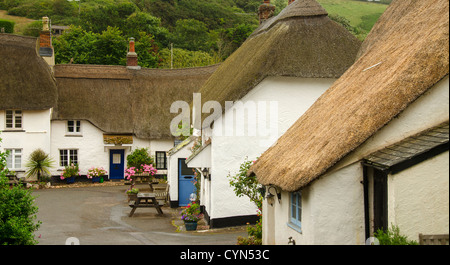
145,200
162,195
433,239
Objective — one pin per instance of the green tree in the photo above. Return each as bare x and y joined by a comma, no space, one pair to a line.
110,47
147,51
17,211
191,34
76,46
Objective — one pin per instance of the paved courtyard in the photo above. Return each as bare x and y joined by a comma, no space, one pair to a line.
99,216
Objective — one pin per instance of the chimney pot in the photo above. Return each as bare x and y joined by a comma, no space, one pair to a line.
132,60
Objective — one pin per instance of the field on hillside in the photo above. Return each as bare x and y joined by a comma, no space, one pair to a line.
360,14
21,22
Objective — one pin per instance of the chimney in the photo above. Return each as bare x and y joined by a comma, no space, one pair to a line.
45,43
265,11
132,60
291,1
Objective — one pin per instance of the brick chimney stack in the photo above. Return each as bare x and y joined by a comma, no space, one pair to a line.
132,59
265,11
45,43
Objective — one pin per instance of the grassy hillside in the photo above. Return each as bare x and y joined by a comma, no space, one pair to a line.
359,13
21,22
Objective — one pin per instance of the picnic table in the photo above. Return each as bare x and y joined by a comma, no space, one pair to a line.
144,200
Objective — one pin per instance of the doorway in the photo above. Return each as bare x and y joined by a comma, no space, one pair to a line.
116,164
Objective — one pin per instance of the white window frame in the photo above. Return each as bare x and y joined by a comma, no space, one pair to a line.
75,127
12,121
14,155
295,211
67,156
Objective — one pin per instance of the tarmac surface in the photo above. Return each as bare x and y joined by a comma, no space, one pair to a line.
98,215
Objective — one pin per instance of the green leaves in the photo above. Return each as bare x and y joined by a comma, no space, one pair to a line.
17,212
246,186
39,164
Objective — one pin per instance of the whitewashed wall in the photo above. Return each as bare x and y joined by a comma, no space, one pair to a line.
294,96
35,134
418,198
327,217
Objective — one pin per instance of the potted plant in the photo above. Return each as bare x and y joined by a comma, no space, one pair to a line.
132,194
70,172
96,174
191,215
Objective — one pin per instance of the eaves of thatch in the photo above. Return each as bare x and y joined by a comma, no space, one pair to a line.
302,41
406,53
26,81
124,101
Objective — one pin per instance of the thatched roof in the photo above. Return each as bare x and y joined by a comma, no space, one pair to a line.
300,42
123,101
26,81
405,55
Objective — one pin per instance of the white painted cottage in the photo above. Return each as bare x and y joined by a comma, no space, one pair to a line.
258,93
28,94
373,150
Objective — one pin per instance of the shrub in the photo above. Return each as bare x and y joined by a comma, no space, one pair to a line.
7,25
393,237
17,212
139,158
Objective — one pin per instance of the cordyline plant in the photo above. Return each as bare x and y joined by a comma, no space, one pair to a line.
39,164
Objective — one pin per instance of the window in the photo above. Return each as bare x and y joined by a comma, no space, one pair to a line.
73,126
67,156
14,159
13,119
296,210
161,160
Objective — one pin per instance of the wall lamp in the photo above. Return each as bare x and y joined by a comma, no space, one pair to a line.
205,172
271,191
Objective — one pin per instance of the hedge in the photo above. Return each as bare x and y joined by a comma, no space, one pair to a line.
7,25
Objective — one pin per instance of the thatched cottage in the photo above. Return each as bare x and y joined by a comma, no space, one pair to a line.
28,94
93,115
373,150
264,87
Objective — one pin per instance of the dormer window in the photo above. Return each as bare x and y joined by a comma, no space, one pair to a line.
13,119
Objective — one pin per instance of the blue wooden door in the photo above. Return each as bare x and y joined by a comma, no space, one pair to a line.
185,182
116,164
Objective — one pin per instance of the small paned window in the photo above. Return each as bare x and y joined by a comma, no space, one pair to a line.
296,210
13,119
74,126
14,159
68,156
161,160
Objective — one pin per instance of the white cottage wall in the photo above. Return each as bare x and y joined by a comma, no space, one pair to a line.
89,143
418,198
326,215
35,133
293,96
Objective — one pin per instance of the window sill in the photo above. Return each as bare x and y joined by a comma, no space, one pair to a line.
13,130
295,227
73,135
